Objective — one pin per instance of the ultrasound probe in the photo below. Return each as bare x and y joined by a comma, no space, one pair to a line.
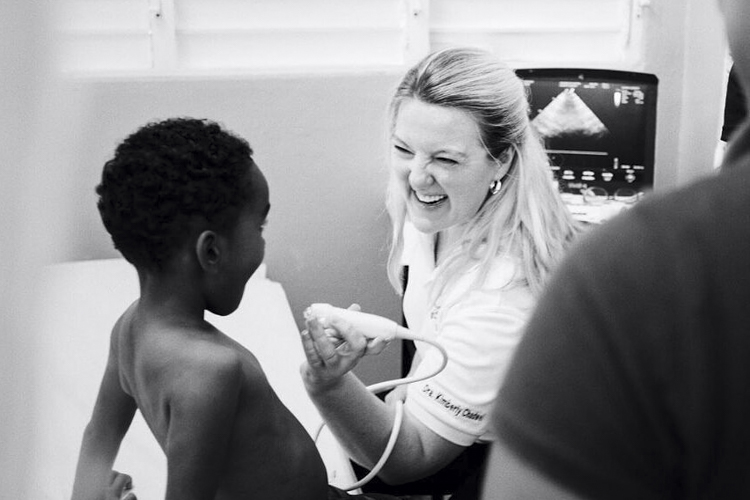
373,327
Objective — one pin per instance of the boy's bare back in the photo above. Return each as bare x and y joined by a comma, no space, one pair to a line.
207,401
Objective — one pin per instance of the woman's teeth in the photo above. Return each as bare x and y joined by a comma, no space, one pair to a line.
430,199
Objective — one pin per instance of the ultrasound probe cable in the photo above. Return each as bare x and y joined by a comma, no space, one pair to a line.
374,327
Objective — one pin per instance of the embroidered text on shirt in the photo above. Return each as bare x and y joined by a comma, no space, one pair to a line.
456,409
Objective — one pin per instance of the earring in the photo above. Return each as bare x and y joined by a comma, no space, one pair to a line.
495,186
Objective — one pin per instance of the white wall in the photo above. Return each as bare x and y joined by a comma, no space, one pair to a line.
33,125
215,35
685,46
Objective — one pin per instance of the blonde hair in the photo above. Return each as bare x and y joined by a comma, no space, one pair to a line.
526,219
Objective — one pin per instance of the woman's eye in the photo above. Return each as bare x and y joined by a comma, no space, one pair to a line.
401,149
447,161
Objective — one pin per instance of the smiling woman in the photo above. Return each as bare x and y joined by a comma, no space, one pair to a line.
479,223
466,114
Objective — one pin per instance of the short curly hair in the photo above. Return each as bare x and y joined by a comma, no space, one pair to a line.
163,178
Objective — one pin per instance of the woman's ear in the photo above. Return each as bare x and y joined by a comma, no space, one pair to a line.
207,250
505,161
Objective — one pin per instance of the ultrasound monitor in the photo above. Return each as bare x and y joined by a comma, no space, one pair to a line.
598,127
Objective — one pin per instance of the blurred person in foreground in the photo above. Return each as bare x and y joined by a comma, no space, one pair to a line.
632,378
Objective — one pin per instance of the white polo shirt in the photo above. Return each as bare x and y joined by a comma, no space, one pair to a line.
480,330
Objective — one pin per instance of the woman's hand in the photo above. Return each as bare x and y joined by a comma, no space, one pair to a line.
330,357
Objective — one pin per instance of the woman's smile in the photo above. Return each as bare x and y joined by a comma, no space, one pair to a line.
430,200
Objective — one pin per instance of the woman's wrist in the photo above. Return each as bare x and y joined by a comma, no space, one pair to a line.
317,385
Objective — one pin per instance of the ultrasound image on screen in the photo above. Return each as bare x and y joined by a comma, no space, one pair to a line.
568,116
597,131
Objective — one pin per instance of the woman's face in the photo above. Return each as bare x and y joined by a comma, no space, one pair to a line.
440,162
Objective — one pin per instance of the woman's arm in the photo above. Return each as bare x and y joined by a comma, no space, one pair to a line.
361,421
445,413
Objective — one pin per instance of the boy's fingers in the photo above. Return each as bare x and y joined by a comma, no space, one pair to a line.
120,481
120,486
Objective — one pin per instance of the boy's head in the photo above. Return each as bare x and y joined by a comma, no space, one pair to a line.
171,179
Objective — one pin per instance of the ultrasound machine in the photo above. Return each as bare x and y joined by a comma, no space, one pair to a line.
598,128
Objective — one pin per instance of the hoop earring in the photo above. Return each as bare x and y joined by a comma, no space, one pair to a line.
495,186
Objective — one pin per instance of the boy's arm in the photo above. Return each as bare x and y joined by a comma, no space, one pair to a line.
203,408
113,412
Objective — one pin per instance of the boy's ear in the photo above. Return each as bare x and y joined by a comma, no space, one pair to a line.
207,250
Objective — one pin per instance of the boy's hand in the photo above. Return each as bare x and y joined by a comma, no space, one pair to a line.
120,487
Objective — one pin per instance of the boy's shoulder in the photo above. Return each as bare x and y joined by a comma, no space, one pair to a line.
208,373
197,371
177,356
196,350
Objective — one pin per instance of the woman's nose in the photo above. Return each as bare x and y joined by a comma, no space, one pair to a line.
419,172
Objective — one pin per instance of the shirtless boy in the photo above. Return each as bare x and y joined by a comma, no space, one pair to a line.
185,204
